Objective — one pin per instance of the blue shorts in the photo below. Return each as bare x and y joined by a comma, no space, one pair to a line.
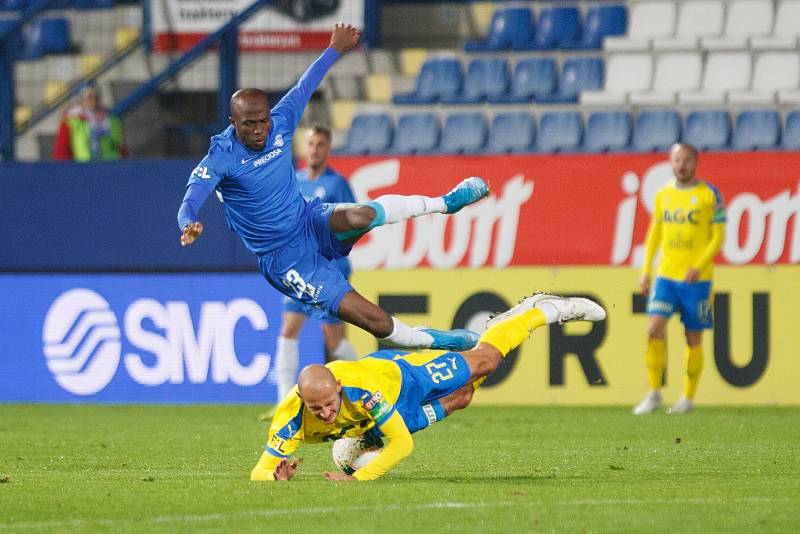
305,269
290,305
427,376
692,300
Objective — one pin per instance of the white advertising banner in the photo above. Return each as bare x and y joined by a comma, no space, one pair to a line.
284,25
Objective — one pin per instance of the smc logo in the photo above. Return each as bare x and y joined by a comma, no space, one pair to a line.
83,343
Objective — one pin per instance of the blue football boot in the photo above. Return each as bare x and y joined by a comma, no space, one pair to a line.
455,340
467,192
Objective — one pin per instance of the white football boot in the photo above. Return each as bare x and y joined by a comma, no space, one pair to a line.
683,405
650,403
567,309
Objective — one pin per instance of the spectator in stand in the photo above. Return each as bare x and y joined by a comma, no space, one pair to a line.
88,131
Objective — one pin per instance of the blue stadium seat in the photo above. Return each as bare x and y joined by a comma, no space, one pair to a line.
756,130
607,131
656,130
45,36
560,131
486,78
463,133
18,41
603,21
439,78
416,133
369,134
13,5
707,129
509,26
577,74
512,132
94,4
557,27
791,131
534,79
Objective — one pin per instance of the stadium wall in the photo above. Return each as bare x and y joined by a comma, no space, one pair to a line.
568,224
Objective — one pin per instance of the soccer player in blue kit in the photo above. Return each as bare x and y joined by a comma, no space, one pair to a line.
317,180
250,166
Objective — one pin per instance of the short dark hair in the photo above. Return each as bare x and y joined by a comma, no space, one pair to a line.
322,129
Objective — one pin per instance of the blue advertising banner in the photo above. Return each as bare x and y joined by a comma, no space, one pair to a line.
149,338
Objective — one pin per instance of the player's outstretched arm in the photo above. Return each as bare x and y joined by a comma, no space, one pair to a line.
401,444
190,227
191,232
271,468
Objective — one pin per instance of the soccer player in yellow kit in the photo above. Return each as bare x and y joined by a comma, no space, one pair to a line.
688,226
393,394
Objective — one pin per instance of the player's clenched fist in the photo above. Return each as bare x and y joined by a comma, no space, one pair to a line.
344,37
191,232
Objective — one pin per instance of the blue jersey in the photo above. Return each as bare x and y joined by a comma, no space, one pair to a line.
260,194
331,187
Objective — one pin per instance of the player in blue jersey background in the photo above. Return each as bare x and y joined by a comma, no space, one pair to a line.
250,166
317,180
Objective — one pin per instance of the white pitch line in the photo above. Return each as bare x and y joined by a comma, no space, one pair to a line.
364,508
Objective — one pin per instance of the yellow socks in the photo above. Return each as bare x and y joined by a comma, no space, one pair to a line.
656,357
694,368
509,334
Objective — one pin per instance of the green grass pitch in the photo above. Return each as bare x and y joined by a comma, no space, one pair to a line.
185,468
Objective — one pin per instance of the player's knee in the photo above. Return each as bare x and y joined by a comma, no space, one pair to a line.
655,331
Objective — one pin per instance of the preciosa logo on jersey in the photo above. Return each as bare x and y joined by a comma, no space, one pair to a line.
81,341
266,158
278,140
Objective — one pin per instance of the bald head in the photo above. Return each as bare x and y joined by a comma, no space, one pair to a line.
250,117
319,391
683,158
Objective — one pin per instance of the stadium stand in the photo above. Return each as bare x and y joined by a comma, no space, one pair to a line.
602,21
607,131
534,79
557,27
648,20
656,130
707,129
626,73
674,72
756,130
510,28
723,72
416,133
485,79
512,132
440,78
369,134
463,133
696,19
577,74
791,131
786,30
745,18
560,131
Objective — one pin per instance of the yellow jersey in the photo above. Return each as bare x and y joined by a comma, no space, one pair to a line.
688,226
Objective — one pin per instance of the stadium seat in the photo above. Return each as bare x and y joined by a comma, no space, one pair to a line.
656,130
369,134
94,4
18,41
557,27
756,130
745,18
626,73
511,132
707,129
463,133
578,74
560,131
647,20
510,26
724,72
45,36
791,131
13,5
607,131
486,78
439,78
696,19
674,72
774,72
416,133
602,21
786,31
534,79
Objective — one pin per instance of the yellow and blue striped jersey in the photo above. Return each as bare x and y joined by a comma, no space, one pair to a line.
370,389
688,227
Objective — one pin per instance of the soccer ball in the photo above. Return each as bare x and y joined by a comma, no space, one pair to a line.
351,454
